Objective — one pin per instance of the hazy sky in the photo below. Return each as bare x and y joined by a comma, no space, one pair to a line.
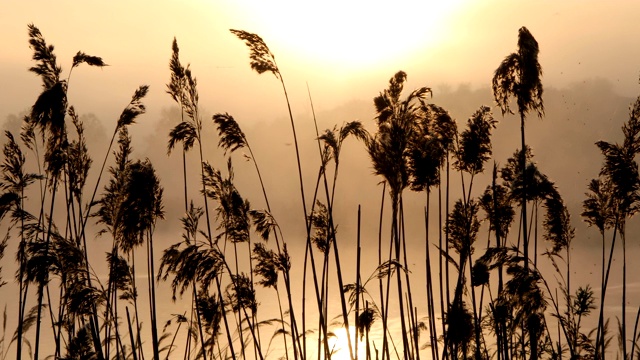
344,50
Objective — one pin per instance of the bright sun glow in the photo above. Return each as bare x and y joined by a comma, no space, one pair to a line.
339,345
352,34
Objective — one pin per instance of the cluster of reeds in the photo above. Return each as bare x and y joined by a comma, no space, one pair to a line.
482,301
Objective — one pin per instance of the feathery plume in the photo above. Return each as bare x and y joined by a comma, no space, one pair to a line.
262,60
135,107
87,59
231,136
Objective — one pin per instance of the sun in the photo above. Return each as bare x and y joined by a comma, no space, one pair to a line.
356,35
339,345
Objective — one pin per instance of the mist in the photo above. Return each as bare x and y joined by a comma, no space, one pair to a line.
563,144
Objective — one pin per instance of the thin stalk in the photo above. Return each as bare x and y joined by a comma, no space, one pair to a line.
135,304
523,166
200,330
385,349
133,342
21,282
286,274
409,296
446,350
94,322
304,205
95,189
535,236
184,175
226,325
198,126
501,335
385,314
173,340
440,267
396,239
41,283
336,253
244,310
188,344
309,256
446,234
359,251
295,141
430,304
624,291
475,309
284,335
152,296
559,337
634,349
366,332
533,341
569,310
56,335
600,341
239,322
323,293
332,228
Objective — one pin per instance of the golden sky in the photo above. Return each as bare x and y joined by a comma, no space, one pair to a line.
344,50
